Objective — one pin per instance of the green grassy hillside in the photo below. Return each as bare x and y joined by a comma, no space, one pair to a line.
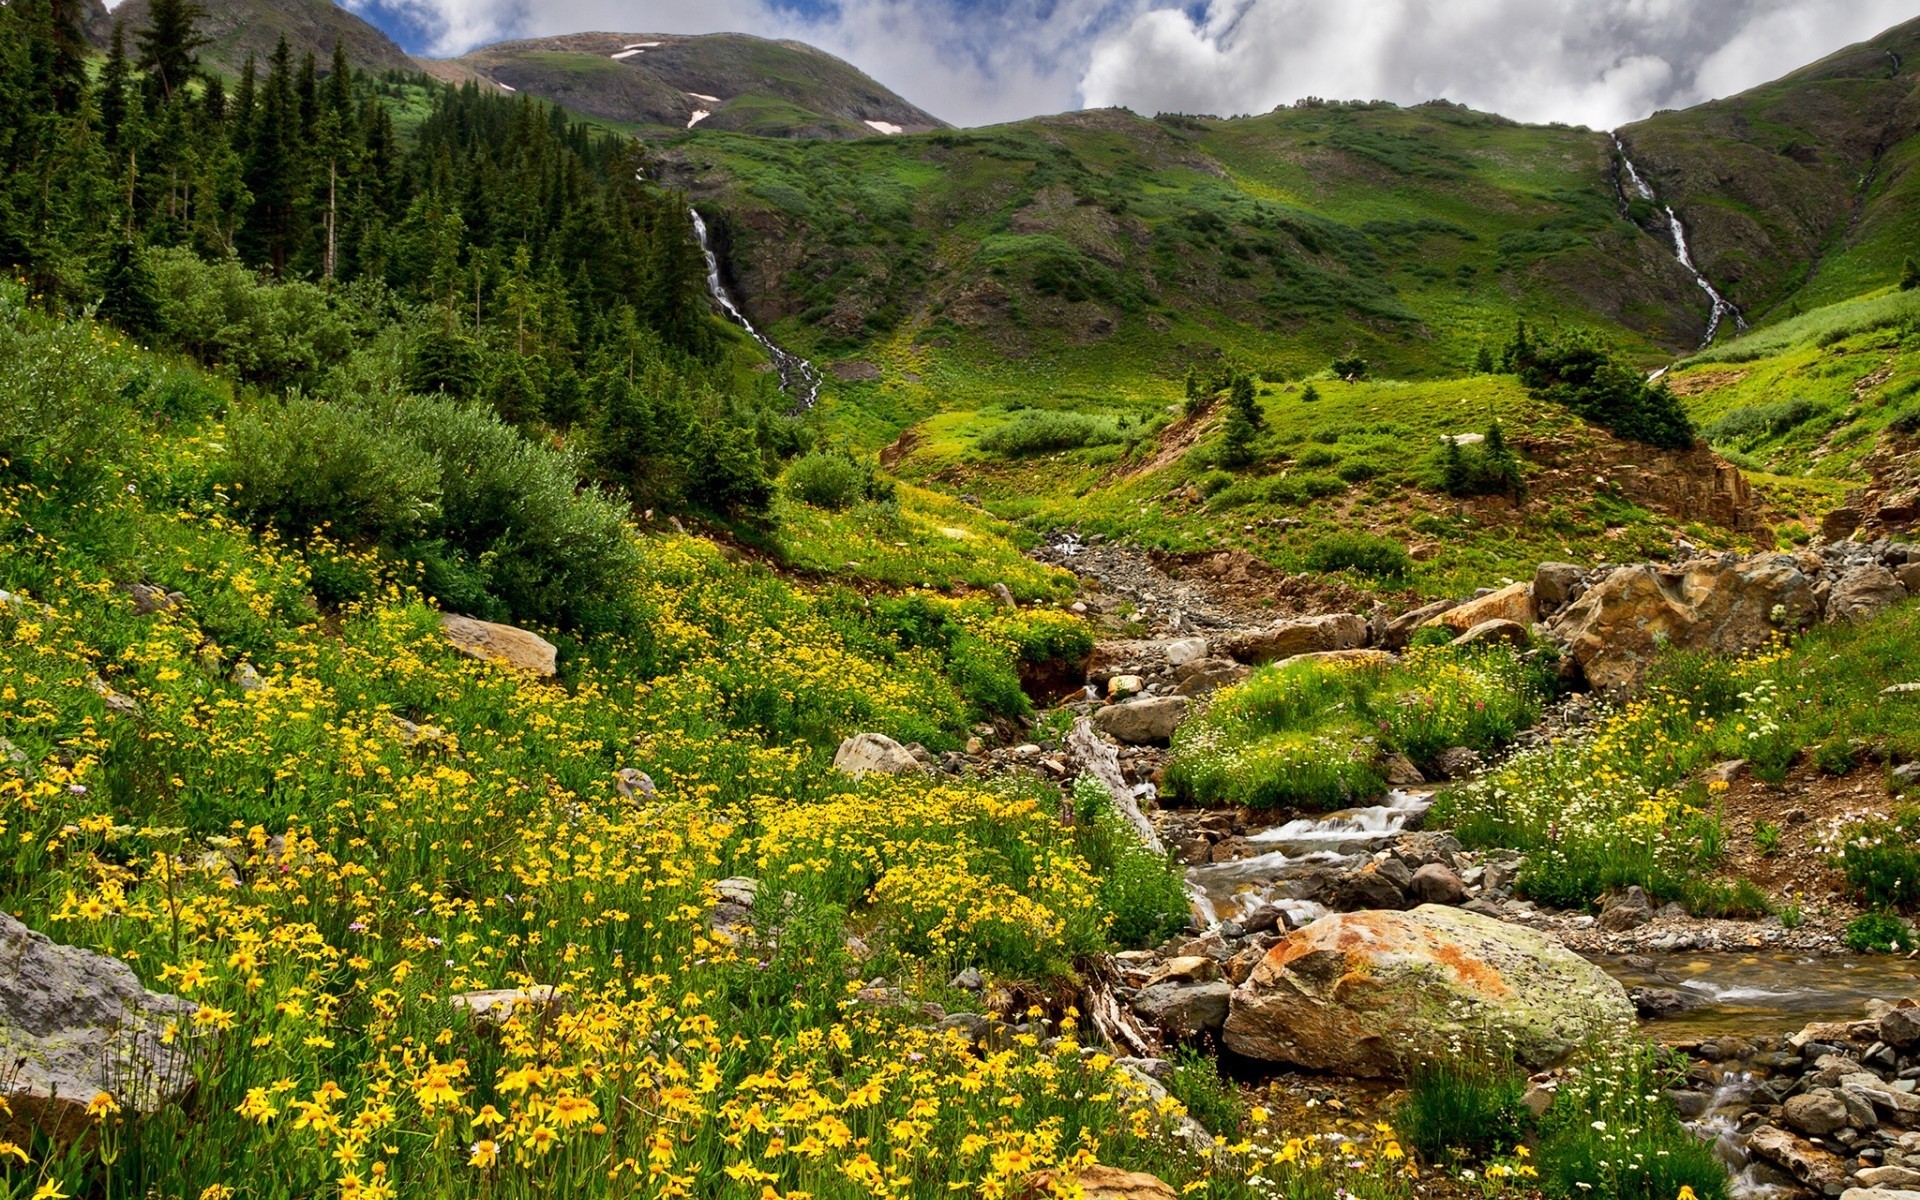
657,83
1802,191
238,28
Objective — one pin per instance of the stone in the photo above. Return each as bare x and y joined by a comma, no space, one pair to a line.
630,782
1496,632
1879,1193
1401,772
1003,594
1554,584
1122,686
1371,994
1511,603
1185,1010
1437,884
1300,635
1191,968
1909,576
1207,675
969,980
247,679
1400,630
1457,762
1813,1167
1719,606
1900,1028
1143,722
73,1024
1862,592
496,1006
1889,1177
1817,1113
1840,523
491,642
1097,1183
148,600
1654,1003
1374,887
874,754
116,702
1358,658
1625,910
1182,651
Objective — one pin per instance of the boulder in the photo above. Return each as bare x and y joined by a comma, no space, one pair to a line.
1143,722
1436,883
1815,1168
1900,1027
1003,594
1817,1113
1400,630
1554,584
1862,592
1371,994
1625,910
1205,675
1401,772
1498,631
496,1006
874,754
631,782
1724,606
1888,1177
1301,635
1457,762
1375,886
1359,658
148,600
1122,686
1097,1183
1185,1010
1182,651
1879,1193
1511,603
74,1024
491,642
1909,576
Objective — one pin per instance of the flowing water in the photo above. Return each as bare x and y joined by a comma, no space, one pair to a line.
1294,853
798,377
1764,994
1722,307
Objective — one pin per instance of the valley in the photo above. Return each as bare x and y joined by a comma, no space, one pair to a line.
637,615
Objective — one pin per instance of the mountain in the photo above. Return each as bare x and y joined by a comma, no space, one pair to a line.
722,81
1800,191
238,28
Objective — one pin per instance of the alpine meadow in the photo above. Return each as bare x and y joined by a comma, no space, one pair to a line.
629,615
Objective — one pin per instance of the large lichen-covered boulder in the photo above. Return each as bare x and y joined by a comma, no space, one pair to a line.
1145,722
1371,994
874,754
491,642
1511,603
1725,606
74,1024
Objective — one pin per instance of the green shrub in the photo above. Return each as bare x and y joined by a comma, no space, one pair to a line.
1213,483
268,333
1880,857
1359,470
1048,432
1761,420
1363,553
1880,933
1576,371
828,480
1314,457
1210,1099
1460,1111
306,467
63,424
1612,1134
1146,893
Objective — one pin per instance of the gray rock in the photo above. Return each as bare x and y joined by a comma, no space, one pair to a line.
1185,1010
1879,1193
1553,584
1862,592
1436,884
1629,909
1380,886
630,783
1401,772
969,980
1888,1177
247,679
1003,594
1457,762
874,753
73,1024
1498,631
148,600
1906,776
1150,721
1301,635
1900,1028
1184,651
1817,1113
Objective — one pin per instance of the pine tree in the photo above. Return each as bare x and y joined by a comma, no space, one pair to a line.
1240,394
1195,401
1455,475
168,48
1910,275
1310,395
1483,362
113,87
129,299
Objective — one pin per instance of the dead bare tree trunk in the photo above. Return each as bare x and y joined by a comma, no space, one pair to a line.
1097,757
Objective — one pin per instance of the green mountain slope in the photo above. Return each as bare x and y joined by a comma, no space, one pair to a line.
238,28
1409,236
1801,191
662,83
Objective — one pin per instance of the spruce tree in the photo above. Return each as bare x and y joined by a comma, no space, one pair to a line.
129,299
169,48
1455,475
113,88
1241,395
1483,362
1910,275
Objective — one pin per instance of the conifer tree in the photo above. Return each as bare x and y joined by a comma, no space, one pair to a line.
169,47
1910,275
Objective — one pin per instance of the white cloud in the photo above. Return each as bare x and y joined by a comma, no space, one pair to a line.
1596,62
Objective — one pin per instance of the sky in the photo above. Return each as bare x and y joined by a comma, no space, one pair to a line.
1601,63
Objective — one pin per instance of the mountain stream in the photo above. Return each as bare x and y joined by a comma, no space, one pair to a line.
1722,308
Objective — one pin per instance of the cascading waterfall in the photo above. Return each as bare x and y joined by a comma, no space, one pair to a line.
798,378
1722,307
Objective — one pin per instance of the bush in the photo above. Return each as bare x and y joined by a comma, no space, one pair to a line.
1210,1099
1460,1111
1577,372
1612,1134
63,425
1761,420
1880,933
1880,856
303,467
828,480
1048,432
271,334
1363,553
1145,893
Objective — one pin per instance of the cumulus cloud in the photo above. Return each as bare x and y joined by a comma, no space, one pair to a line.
1595,62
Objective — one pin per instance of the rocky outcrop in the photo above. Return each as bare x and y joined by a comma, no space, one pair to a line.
1372,993
874,753
1301,635
74,1024
1511,603
1145,722
490,642
1724,606
1864,591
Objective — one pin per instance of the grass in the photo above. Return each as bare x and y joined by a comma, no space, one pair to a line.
1627,807
1611,1133
1462,1111
1314,735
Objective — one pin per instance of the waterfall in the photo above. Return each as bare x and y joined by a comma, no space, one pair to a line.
798,378
1722,308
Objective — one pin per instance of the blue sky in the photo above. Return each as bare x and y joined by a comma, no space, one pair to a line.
1594,62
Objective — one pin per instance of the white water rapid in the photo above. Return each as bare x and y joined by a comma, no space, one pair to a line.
798,378
1300,849
1722,308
